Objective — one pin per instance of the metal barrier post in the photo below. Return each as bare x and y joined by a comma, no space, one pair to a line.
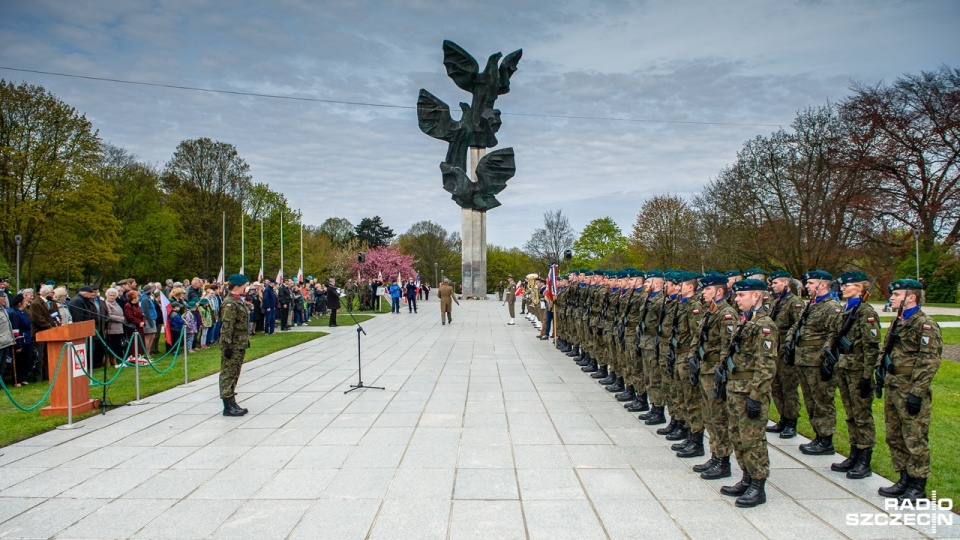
136,368
183,343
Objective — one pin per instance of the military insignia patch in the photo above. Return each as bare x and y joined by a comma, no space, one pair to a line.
927,327
765,330
728,316
730,329
696,312
799,306
837,310
925,340
871,319
873,332
766,345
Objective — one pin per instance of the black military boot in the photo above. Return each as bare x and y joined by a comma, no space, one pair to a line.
754,495
592,367
656,417
694,448
778,427
644,403
609,379
707,464
821,447
600,373
720,469
897,489
861,469
848,463
806,446
680,433
916,490
739,488
574,351
584,360
667,429
676,447
616,387
237,405
230,408
628,394
789,429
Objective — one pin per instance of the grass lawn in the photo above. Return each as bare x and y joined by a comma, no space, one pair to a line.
944,305
887,317
944,429
16,425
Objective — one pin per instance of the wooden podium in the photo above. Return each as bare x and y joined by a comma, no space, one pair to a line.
71,372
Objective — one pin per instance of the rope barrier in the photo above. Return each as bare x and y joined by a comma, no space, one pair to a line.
49,389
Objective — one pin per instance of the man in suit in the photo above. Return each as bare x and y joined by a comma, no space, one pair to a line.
445,294
269,307
511,298
333,301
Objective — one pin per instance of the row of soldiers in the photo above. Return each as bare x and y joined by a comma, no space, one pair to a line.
715,349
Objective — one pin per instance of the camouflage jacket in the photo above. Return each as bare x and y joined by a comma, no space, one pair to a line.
234,333
917,351
788,313
820,320
671,307
687,327
723,323
652,320
756,364
634,310
864,336
596,300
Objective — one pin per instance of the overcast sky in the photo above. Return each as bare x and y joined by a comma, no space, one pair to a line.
694,79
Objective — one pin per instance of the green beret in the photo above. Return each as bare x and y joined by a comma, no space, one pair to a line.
204,302
817,274
586,272
653,274
713,278
749,285
852,277
904,284
690,276
753,272
238,279
673,276
732,273
780,274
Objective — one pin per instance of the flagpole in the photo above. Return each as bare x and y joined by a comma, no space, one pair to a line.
261,246
281,244
223,246
242,244
301,242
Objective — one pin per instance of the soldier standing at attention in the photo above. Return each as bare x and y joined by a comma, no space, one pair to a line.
748,393
511,297
811,334
914,358
500,290
856,340
785,312
351,289
446,296
649,326
234,341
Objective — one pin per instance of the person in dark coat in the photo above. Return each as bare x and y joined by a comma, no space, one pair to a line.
269,307
333,301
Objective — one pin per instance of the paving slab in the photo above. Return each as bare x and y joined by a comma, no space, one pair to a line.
483,431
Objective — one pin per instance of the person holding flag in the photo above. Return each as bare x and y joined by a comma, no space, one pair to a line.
549,294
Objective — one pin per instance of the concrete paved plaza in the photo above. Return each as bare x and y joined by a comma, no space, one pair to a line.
483,432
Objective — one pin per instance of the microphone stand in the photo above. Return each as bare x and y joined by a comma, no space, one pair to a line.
103,401
359,385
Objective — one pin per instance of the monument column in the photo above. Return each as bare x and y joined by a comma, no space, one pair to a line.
473,235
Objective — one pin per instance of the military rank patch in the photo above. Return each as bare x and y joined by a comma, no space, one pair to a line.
927,327
925,340
728,316
799,306
871,319
766,330
873,332
766,345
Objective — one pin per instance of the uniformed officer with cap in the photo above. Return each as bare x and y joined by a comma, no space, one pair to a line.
856,340
234,341
913,361
785,312
812,328
748,393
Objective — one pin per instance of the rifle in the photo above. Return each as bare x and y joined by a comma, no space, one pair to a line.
789,353
672,344
642,327
727,368
776,306
622,328
656,340
842,344
697,357
886,362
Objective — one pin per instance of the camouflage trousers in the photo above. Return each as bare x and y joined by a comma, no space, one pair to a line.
907,435
859,411
652,375
633,365
748,435
820,400
230,372
785,387
714,413
669,390
688,395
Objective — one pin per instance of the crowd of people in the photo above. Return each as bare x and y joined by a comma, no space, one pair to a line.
710,353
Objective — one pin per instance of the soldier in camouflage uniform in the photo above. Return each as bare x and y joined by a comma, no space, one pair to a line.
351,289
649,325
809,335
614,381
234,341
631,345
721,320
914,359
674,430
748,393
597,291
626,391
856,342
688,395
785,312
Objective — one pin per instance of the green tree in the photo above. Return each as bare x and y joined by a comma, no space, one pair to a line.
600,240
373,233
547,244
206,180
502,262
271,208
338,230
665,234
46,152
433,247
